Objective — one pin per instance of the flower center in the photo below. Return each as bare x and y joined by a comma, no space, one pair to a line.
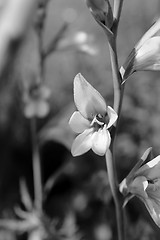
99,121
34,92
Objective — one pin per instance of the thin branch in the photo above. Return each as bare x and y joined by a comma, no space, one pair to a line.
36,168
39,27
53,44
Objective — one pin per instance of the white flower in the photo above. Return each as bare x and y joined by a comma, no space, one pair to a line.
145,184
92,120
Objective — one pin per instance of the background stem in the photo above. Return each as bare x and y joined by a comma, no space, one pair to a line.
37,180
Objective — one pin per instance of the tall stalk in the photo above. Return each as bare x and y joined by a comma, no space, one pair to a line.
110,155
37,178
118,97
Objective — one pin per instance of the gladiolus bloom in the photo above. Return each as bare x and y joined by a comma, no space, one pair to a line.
92,120
145,55
145,184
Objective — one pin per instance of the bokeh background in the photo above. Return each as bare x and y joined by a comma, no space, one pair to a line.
79,204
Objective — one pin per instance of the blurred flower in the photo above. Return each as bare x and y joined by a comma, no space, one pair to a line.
79,41
101,11
69,229
92,120
103,232
35,100
144,182
145,55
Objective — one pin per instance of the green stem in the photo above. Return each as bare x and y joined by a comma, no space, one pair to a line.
112,174
116,195
115,73
110,155
36,168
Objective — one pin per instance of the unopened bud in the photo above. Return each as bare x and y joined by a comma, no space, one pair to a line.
102,11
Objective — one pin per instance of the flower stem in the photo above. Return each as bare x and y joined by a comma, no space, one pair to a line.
112,174
36,168
118,97
116,74
116,195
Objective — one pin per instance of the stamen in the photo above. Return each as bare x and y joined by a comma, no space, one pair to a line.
93,121
97,123
100,123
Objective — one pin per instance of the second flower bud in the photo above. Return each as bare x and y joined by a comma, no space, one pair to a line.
101,11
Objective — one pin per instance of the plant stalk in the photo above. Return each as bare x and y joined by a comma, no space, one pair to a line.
116,74
118,200
37,179
110,155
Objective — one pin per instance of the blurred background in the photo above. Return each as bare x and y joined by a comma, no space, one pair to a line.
77,201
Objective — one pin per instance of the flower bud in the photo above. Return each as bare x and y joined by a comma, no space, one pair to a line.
145,55
101,11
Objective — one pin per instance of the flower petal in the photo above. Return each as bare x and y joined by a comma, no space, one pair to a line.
82,143
44,92
78,123
154,210
42,108
153,190
88,100
138,187
148,56
101,141
149,194
128,67
152,31
153,201
150,170
30,109
112,116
